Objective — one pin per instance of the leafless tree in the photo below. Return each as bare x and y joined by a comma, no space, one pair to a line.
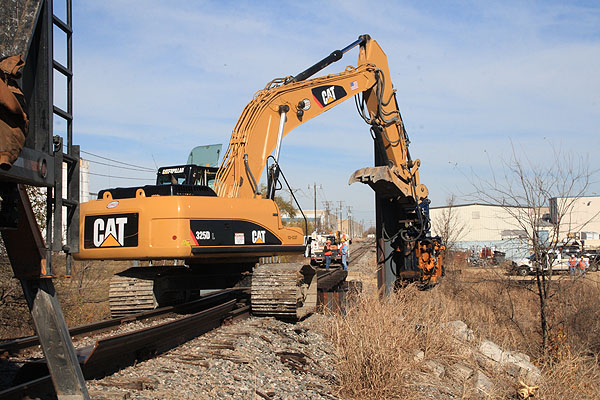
525,189
448,225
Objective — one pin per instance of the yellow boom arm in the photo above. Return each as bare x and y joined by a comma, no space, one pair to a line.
286,103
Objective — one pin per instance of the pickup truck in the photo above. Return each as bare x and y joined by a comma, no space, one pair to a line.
559,262
317,258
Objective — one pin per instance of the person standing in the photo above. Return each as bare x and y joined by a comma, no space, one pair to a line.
327,253
582,266
572,265
343,250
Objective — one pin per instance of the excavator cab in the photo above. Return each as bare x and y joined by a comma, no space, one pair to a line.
187,175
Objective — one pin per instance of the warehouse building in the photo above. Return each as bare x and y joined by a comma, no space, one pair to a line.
581,218
475,226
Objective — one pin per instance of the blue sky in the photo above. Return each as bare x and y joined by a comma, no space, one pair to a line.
155,78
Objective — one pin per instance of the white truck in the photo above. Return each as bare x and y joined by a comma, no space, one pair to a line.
559,262
316,248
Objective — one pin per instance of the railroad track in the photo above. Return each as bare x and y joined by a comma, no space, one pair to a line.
362,248
109,354
112,353
23,344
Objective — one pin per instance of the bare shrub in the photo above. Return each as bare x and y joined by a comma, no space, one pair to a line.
523,188
448,225
84,295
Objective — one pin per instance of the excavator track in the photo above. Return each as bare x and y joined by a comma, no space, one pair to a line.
285,291
139,289
128,295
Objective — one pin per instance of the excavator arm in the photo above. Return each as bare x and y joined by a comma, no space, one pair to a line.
289,102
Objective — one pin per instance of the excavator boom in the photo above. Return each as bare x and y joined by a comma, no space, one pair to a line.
287,103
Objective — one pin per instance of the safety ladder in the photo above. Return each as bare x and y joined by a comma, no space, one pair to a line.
65,197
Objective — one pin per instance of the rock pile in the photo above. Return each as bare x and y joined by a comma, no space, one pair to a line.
485,369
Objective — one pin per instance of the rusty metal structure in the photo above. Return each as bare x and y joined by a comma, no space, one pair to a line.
27,30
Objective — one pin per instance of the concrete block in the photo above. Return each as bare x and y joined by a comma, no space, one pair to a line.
460,330
482,383
419,355
520,367
462,372
522,356
491,350
435,367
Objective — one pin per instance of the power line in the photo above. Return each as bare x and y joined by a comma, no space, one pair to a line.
322,192
120,167
119,162
121,177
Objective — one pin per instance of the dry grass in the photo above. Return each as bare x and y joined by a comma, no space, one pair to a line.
377,339
83,296
376,342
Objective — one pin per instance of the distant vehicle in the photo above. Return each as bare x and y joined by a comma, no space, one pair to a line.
559,261
318,242
487,257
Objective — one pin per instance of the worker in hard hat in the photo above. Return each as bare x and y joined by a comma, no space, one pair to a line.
573,265
343,250
583,264
327,253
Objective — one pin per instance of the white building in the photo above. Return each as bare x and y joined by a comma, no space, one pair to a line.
581,218
474,226
486,225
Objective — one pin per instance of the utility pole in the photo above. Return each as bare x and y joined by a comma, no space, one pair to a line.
350,228
315,198
327,206
341,202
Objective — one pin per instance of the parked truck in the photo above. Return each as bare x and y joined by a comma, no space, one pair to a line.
317,258
558,260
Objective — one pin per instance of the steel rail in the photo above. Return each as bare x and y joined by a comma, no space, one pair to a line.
13,346
113,353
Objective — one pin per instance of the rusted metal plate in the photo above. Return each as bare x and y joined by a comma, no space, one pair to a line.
18,22
24,245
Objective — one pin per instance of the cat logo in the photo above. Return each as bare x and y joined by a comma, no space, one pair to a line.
326,95
258,237
110,233
116,230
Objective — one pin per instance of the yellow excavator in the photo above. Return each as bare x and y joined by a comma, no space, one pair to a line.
222,233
